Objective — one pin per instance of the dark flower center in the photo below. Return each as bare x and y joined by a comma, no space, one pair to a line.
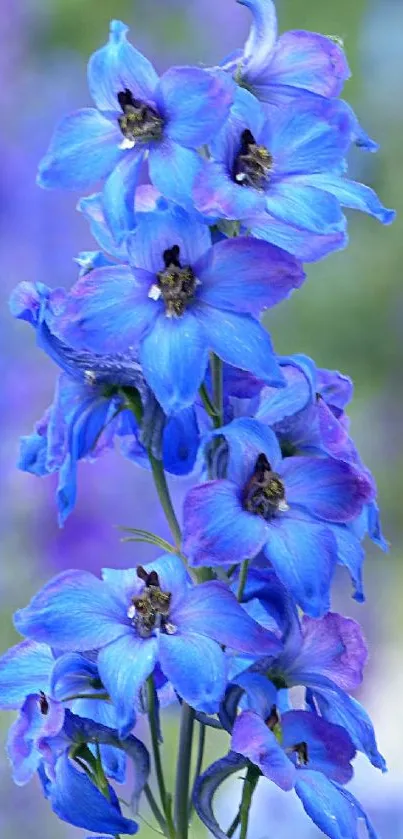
264,494
140,122
301,751
150,610
253,163
43,704
176,284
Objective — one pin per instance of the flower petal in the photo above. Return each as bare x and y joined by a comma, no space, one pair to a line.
333,647
330,748
109,309
350,194
305,207
171,572
217,530
92,209
180,442
307,60
333,809
240,341
207,785
159,231
123,667
24,669
76,800
196,667
173,170
303,554
74,611
212,610
251,737
117,66
264,276
262,35
174,358
306,246
195,103
83,150
330,489
215,194
247,439
118,192
113,760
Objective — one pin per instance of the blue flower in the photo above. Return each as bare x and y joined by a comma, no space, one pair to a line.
282,176
283,506
90,408
142,617
179,298
326,656
137,113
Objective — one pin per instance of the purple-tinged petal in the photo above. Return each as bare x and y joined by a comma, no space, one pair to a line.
83,150
195,103
333,647
76,800
74,611
117,66
306,246
333,809
351,554
264,275
123,667
246,112
113,759
277,404
251,737
215,194
350,194
304,206
174,358
109,309
262,35
303,554
93,210
311,139
173,170
330,748
207,785
241,341
159,231
310,61
40,717
118,192
260,692
24,669
217,530
335,388
212,610
341,709
196,666
247,439
329,489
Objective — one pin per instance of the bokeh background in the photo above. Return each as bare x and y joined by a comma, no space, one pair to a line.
348,316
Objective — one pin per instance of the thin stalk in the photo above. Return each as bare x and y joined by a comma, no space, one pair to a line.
165,799
165,498
217,382
199,760
231,830
155,809
183,771
252,777
209,406
242,579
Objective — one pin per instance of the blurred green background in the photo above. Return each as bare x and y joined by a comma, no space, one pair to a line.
348,316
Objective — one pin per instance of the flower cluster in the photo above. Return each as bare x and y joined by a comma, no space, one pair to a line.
161,347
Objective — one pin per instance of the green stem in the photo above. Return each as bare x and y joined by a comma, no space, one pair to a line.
242,579
217,381
209,406
155,809
165,798
161,486
199,759
183,771
231,830
250,782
